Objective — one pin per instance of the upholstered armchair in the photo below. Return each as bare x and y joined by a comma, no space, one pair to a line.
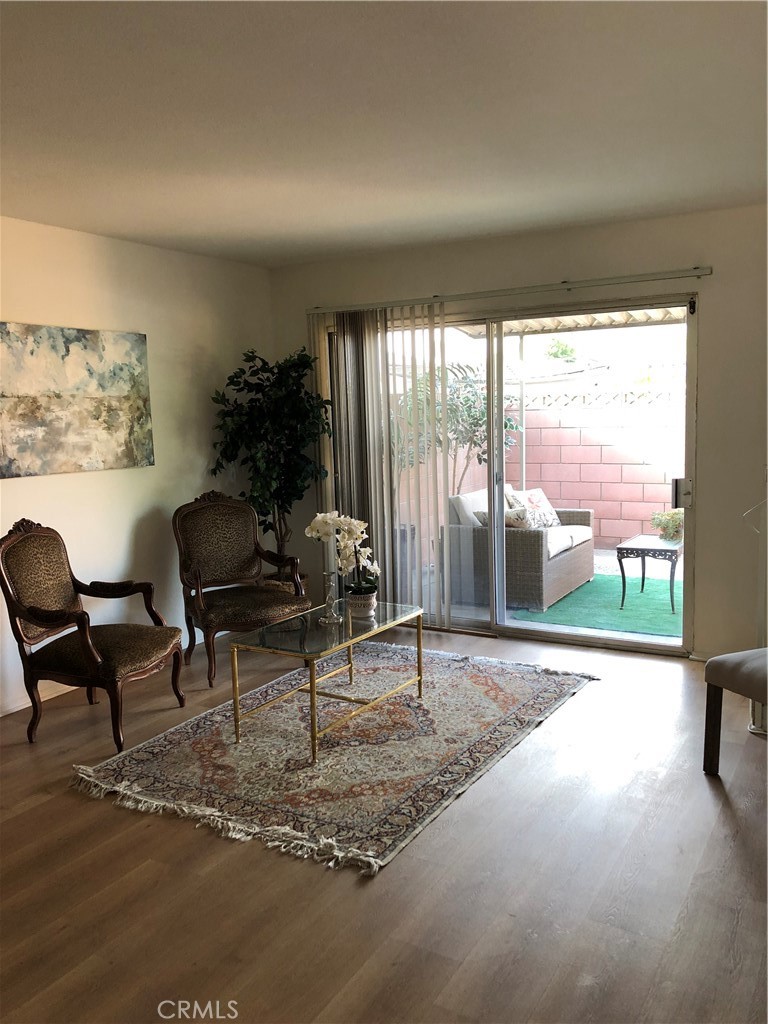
44,604
221,568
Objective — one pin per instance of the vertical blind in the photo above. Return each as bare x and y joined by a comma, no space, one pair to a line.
384,370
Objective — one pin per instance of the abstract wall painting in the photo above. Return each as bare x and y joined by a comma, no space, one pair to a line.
72,400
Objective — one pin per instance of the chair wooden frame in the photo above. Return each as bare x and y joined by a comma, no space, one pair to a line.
194,586
33,625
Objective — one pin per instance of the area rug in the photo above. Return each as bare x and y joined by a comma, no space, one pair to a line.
379,779
597,605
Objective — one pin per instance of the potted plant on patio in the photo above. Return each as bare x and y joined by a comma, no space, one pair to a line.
669,524
269,423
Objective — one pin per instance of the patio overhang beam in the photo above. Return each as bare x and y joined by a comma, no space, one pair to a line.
584,322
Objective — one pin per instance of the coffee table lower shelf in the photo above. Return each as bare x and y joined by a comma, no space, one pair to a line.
303,637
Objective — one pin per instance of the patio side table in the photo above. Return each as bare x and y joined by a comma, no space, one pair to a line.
649,546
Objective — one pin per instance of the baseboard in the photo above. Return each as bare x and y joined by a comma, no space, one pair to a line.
46,691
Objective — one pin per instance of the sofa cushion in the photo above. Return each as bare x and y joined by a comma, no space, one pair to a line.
563,538
464,506
541,514
558,539
580,534
742,672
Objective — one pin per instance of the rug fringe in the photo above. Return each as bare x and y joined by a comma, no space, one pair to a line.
284,839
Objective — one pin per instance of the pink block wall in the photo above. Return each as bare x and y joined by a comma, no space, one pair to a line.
592,471
582,466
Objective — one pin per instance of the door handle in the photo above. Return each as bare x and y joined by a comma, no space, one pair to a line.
682,492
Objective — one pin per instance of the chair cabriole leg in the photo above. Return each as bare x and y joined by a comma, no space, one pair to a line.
175,673
192,640
115,694
211,652
37,708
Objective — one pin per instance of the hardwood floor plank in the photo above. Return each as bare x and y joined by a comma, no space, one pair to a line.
70,882
61,943
709,966
605,979
76,997
396,987
593,874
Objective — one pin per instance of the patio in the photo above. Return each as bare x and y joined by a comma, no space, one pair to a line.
593,413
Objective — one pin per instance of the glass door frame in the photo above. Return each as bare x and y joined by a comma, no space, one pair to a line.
495,475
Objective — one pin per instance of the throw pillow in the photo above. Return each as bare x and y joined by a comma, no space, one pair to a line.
516,518
513,517
519,519
540,512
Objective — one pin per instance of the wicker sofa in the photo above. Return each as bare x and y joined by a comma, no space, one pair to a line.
542,565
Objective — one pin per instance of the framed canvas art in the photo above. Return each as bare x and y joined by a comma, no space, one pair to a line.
72,400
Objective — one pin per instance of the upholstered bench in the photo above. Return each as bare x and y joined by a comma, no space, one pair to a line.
744,672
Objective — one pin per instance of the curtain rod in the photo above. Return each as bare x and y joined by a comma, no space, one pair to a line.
567,286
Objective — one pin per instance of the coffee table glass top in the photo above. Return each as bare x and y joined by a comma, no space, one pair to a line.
306,637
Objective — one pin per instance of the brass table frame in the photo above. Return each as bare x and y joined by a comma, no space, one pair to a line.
310,660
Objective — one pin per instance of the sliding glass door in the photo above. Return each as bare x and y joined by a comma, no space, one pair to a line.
600,399
516,471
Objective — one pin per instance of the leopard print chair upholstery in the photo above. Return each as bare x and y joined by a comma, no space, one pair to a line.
44,603
221,571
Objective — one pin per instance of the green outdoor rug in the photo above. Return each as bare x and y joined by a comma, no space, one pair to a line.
596,605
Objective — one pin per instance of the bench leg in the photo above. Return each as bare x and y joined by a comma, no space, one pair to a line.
712,721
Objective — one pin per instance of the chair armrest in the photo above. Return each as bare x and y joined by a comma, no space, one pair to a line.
288,562
575,516
57,618
98,588
54,617
199,595
123,588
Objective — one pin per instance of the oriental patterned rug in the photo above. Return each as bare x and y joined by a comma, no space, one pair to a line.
379,780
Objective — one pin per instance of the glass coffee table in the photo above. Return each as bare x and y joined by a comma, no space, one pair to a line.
307,638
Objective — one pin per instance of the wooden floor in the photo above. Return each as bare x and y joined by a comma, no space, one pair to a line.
594,874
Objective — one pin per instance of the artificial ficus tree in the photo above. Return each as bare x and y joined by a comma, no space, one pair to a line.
269,423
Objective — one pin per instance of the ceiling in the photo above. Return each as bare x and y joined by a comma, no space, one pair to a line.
280,132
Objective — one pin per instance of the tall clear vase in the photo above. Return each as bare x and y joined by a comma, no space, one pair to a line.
330,616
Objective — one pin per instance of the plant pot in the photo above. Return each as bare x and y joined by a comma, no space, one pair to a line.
671,534
362,606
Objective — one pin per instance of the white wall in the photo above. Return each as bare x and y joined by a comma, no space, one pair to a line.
731,432
199,315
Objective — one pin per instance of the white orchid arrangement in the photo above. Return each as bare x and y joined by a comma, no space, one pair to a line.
352,557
